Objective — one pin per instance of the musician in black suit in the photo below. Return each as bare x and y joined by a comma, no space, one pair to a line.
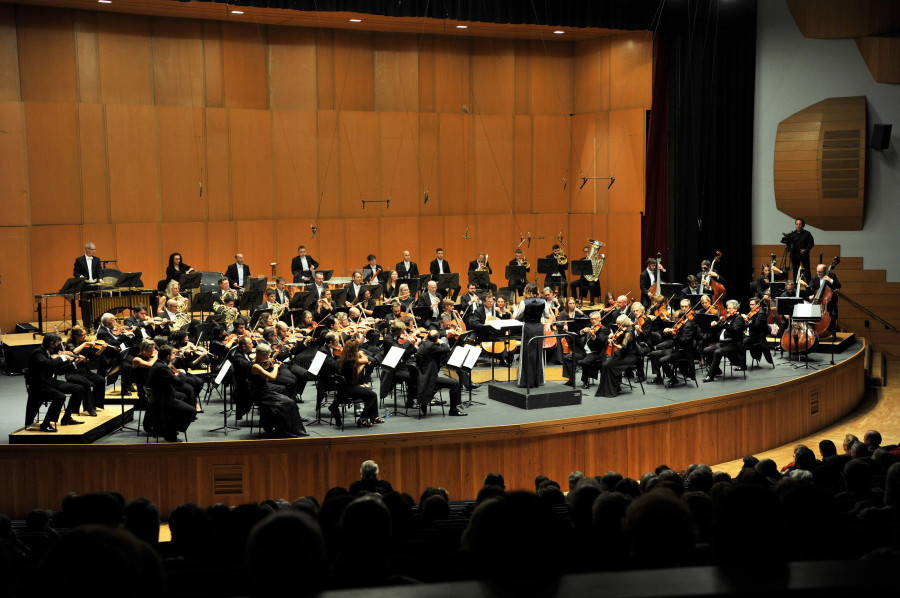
729,333
557,281
88,265
707,272
238,272
431,299
518,284
677,349
173,409
303,266
758,330
481,264
440,266
406,367
821,279
373,270
649,277
269,303
430,357
470,298
407,268
145,327
354,289
582,287
281,292
43,364
118,352
800,242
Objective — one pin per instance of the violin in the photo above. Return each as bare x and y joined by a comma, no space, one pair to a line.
611,344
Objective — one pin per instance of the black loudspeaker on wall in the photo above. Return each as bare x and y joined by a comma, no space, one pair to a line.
881,136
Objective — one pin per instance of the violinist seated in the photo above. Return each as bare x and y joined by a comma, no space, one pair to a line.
449,332
405,371
357,386
291,378
481,264
331,348
118,352
147,356
242,360
43,365
295,344
187,384
173,411
83,372
729,332
677,347
660,318
430,358
621,354
143,324
644,338
355,326
395,315
587,351
758,328
222,342
189,356
277,413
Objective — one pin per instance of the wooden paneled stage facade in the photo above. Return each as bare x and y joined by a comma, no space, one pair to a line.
711,430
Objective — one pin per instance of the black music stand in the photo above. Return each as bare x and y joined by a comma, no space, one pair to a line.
547,266
300,300
412,283
254,284
393,359
809,313
480,278
516,273
339,296
129,280
72,286
249,300
466,362
670,289
203,302
776,288
423,281
190,281
326,274
502,335
422,314
375,290
381,311
582,267
446,282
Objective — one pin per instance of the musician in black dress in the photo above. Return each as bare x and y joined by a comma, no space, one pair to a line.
176,268
622,355
800,242
729,333
278,413
758,330
531,312
173,411
350,366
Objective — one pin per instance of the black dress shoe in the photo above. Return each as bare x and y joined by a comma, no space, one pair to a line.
423,407
586,385
458,413
47,428
709,379
92,413
338,418
671,383
741,368
474,386
69,421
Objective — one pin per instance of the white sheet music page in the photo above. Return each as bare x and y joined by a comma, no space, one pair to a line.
458,356
472,356
393,357
316,365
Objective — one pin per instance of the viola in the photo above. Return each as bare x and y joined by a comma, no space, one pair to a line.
611,344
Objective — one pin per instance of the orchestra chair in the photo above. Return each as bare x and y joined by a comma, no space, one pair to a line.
343,399
151,401
42,402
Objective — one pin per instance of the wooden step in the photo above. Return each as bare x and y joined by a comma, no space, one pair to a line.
868,276
877,370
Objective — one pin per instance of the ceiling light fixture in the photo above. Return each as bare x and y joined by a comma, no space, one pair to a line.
237,12
559,32
356,20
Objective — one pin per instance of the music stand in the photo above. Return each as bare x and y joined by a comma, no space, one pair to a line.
547,266
448,281
422,314
502,331
190,281
129,280
254,284
582,267
391,362
480,278
339,296
704,321
326,274
300,300
375,290
802,312
249,300
412,283
381,311
203,302
72,286
462,359
670,289
776,288
516,273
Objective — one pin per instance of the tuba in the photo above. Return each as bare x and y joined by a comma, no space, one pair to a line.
596,263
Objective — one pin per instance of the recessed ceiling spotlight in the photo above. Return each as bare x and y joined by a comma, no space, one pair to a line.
237,12
559,32
356,20
462,26
105,1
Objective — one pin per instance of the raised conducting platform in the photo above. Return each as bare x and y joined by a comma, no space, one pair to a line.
543,397
631,434
91,430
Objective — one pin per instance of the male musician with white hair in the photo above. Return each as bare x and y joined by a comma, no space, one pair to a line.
729,332
117,353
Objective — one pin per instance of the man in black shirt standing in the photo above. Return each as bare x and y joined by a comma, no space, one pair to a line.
800,242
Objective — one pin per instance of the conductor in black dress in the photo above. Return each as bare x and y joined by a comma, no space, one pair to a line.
530,312
800,242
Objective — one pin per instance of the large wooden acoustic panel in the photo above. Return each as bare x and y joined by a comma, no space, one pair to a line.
9,55
842,19
820,164
882,56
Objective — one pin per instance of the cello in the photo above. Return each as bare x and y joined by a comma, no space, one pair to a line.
711,282
826,298
800,337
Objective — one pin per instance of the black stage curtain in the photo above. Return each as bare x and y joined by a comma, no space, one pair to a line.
712,63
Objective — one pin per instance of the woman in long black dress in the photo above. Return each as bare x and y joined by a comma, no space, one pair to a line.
277,412
531,312
623,355
351,366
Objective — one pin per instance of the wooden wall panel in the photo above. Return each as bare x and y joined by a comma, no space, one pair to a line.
455,155
399,234
431,236
17,272
126,70
92,153
523,181
13,156
101,235
187,238
624,272
181,149
452,68
222,238
353,71
591,86
137,250
289,234
428,157
87,56
627,150
325,69
218,164
292,66
493,76
590,156
427,75
252,184
177,62
9,55
523,76
363,236
256,240
396,78
244,70
328,203
494,173
550,163
48,271
551,79
496,235
330,247
133,165
46,54
400,166
549,226
360,163
213,64
631,70
457,250
294,146
53,169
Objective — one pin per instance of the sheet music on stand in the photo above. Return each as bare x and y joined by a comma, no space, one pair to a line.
503,324
223,371
316,365
393,357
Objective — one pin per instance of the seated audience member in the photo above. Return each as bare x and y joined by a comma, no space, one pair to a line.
286,555
369,481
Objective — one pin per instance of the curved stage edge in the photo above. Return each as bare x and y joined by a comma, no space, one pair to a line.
710,430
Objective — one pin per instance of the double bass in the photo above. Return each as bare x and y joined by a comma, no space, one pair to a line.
826,298
656,286
800,337
710,282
